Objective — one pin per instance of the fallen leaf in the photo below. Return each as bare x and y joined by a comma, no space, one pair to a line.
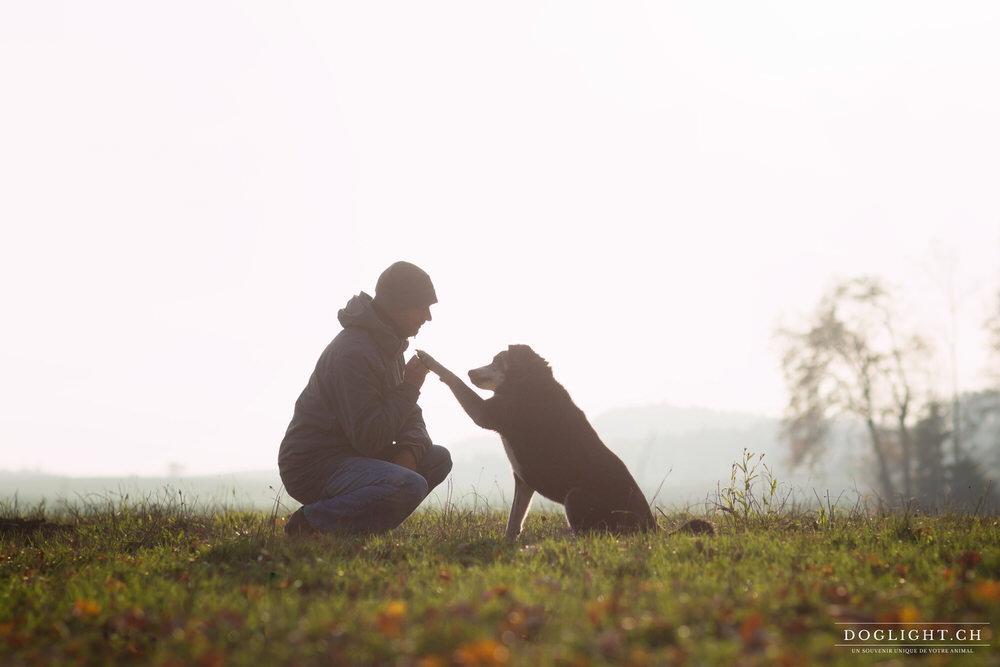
390,620
482,652
986,591
750,629
970,559
909,614
85,608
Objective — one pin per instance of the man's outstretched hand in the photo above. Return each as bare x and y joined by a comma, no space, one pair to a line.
415,372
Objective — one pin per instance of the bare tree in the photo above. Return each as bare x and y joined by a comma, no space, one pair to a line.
930,434
945,273
851,362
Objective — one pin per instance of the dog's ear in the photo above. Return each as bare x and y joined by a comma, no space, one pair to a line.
522,361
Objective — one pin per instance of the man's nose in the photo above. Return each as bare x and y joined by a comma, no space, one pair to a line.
427,314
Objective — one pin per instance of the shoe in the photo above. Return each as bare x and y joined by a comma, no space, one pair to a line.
298,524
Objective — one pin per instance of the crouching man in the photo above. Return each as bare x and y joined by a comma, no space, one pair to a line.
356,453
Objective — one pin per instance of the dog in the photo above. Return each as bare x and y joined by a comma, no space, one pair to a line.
552,448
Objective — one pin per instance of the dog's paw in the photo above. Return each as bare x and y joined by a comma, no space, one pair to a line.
429,361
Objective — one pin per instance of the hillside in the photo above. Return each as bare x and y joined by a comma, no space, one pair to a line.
680,455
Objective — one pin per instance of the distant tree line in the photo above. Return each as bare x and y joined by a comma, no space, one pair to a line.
854,360
993,327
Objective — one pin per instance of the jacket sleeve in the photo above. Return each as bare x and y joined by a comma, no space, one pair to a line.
414,434
370,417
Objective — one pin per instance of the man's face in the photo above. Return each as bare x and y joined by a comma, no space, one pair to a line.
410,320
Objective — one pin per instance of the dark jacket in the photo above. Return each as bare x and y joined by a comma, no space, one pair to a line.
355,404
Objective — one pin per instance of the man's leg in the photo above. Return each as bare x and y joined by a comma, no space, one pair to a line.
435,466
366,496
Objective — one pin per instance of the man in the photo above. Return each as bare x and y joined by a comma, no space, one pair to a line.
356,453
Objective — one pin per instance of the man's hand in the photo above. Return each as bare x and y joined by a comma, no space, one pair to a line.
415,372
406,459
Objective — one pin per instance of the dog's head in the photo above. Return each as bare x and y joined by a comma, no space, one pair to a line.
517,362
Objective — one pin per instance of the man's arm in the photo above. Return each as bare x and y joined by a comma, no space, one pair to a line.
413,435
473,404
371,418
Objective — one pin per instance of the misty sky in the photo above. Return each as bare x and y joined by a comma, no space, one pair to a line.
189,191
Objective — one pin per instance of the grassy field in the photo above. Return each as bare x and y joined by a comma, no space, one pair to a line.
151,584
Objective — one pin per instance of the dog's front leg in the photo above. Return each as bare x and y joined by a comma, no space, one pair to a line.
473,404
519,509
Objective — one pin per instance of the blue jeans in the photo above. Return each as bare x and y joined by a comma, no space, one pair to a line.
372,496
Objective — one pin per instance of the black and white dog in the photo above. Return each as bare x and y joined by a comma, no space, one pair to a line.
552,447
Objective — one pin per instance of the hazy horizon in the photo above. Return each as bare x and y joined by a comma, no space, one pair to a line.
678,457
640,192
616,426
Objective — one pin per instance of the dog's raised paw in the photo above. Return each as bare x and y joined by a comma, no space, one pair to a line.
426,359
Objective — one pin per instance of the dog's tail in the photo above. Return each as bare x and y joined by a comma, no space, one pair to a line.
696,527
693,527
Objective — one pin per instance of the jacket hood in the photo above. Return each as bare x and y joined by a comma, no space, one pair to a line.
359,313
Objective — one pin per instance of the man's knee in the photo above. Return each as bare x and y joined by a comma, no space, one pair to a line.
412,488
435,465
438,457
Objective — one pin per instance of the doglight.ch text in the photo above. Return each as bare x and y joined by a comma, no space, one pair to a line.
915,638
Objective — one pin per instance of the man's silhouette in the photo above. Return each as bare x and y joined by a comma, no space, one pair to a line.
356,453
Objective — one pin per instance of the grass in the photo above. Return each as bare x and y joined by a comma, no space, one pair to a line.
158,583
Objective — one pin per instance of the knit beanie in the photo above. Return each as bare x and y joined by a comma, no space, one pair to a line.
403,286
